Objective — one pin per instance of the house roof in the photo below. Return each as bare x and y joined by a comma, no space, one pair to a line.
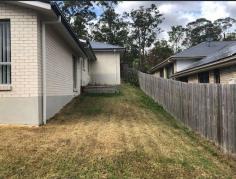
102,46
200,51
215,58
224,52
203,49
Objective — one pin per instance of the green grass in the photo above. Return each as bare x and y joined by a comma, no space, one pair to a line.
123,135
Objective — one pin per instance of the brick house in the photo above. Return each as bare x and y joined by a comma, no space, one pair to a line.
207,62
42,63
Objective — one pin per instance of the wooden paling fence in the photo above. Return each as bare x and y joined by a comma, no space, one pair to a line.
209,109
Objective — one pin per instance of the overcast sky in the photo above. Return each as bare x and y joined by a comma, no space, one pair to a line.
182,12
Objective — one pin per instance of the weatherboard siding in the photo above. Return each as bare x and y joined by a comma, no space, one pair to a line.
59,72
183,64
106,69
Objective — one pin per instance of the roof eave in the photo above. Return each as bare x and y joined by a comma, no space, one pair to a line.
57,10
219,63
160,65
171,59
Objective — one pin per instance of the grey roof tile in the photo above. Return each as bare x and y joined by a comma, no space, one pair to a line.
204,49
227,51
102,45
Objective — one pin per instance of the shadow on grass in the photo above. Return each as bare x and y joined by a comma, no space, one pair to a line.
148,103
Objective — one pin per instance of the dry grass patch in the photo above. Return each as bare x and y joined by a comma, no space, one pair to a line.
124,135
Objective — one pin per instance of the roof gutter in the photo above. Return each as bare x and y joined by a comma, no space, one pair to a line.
163,63
171,59
221,63
109,49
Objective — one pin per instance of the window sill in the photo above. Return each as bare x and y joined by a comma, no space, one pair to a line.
5,87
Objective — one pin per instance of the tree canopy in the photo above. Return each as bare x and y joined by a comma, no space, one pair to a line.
138,30
144,25
110,28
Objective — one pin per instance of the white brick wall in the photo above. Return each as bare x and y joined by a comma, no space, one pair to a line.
227,74
157,74
24,51
193,78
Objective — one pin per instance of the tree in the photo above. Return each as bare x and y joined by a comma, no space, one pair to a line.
201,30
79,14
110,28
144,28
159,52
176,36
225,24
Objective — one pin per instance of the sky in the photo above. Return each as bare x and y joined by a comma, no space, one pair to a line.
182,12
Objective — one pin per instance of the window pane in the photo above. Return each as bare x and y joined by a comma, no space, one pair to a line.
5,74
5,52
203,77
217,76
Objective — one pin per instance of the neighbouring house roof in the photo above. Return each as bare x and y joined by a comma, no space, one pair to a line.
217,58
102,46
204,49
226,51
199,51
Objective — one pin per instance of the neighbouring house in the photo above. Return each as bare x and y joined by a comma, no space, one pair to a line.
207,62
106,69
42,63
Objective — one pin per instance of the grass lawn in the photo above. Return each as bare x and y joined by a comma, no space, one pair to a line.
124,135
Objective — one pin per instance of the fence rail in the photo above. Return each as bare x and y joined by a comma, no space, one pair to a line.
209,109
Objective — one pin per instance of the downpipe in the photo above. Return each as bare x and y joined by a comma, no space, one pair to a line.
44,90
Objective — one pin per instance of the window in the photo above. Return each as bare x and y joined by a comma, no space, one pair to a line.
216,76
170,70
183,79
161,73
5,52
203,77
74,73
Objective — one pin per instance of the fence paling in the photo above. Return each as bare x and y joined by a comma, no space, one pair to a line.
209,109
